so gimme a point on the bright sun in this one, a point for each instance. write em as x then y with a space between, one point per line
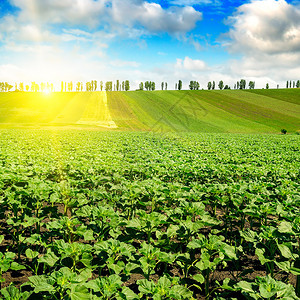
47 91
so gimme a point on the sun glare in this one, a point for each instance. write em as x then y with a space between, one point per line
47 91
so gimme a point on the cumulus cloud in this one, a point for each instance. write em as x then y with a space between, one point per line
267 35
113 13
153 17
191 64
267 26
79 12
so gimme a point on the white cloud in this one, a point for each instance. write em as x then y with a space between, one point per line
267 34
191 64
266 26
113 13
79 12
153 17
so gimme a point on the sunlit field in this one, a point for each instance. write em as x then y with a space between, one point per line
236 111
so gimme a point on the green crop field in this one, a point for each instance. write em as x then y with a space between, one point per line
140 215
236 111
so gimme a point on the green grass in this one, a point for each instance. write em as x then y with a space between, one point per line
236 111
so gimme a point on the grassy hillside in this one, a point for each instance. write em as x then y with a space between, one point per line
212 111
245 111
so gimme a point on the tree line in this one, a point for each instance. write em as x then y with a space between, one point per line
94 85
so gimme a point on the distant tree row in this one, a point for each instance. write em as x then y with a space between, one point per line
5 87
94 85
290 84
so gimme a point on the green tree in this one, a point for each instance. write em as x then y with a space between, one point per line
298 84
267 86
194 85
21 87
221 84
166 85
101 85
118 85
141 86
213 85
209 85
127 85
152 86
162 86
179 85
242 84
251 85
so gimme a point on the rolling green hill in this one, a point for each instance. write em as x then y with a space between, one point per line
237 111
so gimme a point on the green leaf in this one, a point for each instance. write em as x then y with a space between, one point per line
16 267
127 294
249 235
180 292
244 286
229 251
268 288
286 227
285 251
283 265
164 282
31 254
88 235
49 258
145 286
79 292
42 283
260 253
199 278
87 259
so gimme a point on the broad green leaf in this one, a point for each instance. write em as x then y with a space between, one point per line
31 254
49 258
180 292
42 283
285 251
199 278
286 227
79 292
244 286
145 286
16 267
229 251
260 254
127 294
88 235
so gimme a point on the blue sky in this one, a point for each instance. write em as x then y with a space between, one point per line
167 40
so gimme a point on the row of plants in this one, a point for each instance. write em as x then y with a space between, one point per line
94 215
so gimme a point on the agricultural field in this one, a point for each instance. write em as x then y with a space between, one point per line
225 111
90 214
